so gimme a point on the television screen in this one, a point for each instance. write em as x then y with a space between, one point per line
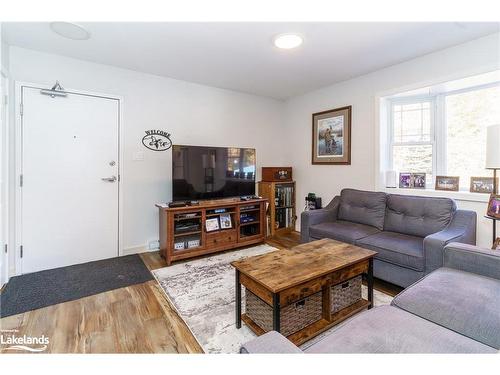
201 172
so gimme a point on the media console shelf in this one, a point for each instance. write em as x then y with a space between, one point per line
183 230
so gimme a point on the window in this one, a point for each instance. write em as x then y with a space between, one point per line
467 116
443 133
413 136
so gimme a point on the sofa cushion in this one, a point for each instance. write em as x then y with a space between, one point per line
340 230
386 329
364 207
417 216
396 248
461 301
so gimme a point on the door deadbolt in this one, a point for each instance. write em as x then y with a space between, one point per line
112 163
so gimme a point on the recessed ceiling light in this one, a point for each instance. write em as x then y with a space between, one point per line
70 30
288 41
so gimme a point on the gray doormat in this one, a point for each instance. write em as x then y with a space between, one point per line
41 289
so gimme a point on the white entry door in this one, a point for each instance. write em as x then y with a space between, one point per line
69 193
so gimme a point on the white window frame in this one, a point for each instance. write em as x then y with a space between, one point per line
432 142
438 127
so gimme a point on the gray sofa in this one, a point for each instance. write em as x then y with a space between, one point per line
408 232
455 309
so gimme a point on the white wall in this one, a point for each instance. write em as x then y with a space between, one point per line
193 114
281 132
326 181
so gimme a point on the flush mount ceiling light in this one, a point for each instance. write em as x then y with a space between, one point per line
288 41
70 30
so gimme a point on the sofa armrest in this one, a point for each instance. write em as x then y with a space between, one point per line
312 217
473 259
271 343
462 228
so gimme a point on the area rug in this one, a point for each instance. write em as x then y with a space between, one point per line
202 291
41 289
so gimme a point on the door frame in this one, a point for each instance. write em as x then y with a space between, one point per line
19 162
5 171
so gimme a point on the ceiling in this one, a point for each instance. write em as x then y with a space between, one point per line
242 57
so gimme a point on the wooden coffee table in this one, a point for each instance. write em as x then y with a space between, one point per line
283 277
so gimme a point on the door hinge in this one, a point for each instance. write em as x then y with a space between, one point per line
6 247
21 108
21 180
21 250
5 100
118 178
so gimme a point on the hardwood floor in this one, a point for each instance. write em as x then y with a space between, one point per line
135 319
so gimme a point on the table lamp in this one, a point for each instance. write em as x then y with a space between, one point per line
493 152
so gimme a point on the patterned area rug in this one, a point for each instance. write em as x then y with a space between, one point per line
202 291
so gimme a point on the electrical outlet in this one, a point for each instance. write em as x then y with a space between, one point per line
154 245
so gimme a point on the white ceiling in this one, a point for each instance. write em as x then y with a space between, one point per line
241 56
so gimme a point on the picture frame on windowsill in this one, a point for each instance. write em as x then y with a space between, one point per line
447 183
412 180
482 185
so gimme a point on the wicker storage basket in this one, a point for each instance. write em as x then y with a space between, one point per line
345 294
293 317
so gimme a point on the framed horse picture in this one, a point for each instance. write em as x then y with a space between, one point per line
331 132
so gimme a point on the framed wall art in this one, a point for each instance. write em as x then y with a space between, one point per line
331 136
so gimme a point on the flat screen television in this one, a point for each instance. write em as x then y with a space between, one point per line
203 172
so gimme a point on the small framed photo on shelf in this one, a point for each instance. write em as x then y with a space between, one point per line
481 185
212 224
412 180
418 180
447 183
225 221
405 180
494 206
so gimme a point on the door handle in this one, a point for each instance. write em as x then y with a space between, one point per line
109 179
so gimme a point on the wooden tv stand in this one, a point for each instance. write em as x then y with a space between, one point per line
183 232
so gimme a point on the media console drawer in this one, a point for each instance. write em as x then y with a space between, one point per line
221 238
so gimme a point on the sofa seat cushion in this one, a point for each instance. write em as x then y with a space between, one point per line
461 301
387 329
340 230
363 207
396 248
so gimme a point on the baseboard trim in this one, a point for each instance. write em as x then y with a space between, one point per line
137 250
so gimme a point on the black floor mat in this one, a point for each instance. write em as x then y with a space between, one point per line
40 289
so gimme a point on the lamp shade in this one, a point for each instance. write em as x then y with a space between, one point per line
493 147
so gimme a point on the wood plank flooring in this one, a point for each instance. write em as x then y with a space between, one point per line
135 319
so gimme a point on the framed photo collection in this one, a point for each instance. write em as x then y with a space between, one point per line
412 180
